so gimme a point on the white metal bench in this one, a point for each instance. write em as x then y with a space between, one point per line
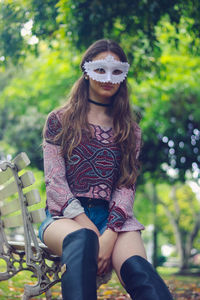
15 211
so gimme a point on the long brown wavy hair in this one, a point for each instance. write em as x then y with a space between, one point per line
75 111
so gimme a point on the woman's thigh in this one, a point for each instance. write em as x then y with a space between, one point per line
55 233
127 245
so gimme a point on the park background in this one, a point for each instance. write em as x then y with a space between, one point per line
41 44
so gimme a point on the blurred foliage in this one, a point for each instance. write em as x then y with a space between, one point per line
133 23
178 214
169 104
184 208
30 95
12 17
115 19
44 14
22 23
177 217
25 133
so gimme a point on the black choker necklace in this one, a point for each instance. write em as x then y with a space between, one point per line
99 103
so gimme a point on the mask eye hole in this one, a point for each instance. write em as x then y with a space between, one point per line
117 72
100 71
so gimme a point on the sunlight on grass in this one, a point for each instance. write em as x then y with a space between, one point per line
183 287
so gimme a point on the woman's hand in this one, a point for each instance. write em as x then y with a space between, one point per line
85 222
106 244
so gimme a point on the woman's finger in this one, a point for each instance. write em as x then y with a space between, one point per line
103 266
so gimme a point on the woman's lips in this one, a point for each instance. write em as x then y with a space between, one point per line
107 86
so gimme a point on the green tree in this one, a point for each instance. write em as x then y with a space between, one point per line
38 88
175 217
182 209
12 18
168 102
22 20
108 18
124 21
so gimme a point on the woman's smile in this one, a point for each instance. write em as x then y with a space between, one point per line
107 86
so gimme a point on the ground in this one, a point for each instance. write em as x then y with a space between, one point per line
182 287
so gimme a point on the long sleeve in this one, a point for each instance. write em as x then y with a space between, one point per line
58 192
121 207
121 204
60 199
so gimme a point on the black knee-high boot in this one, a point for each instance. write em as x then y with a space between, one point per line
141 281
79 262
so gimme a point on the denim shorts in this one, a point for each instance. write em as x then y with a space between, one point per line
97 211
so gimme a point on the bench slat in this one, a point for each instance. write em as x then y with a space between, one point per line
27 179
21 161
5 175
11 188
38 215
32 197
8 190
21 246
10 207
14 221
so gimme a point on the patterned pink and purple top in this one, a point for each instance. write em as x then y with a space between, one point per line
91 172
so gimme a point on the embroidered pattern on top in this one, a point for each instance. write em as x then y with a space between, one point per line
117 217
53 128
94 163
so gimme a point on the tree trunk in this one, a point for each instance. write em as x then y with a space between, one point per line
184 249
189 243
155 230
177 233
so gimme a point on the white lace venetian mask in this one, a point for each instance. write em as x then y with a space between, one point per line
107 70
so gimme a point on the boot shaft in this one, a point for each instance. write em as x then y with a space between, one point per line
80 254
142 281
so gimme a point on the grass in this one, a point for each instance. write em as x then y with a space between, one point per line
183 287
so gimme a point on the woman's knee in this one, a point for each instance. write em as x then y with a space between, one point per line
128 244
57 231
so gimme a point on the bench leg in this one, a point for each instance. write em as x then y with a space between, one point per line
48 294
25 297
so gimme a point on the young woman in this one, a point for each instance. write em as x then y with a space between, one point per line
91 149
